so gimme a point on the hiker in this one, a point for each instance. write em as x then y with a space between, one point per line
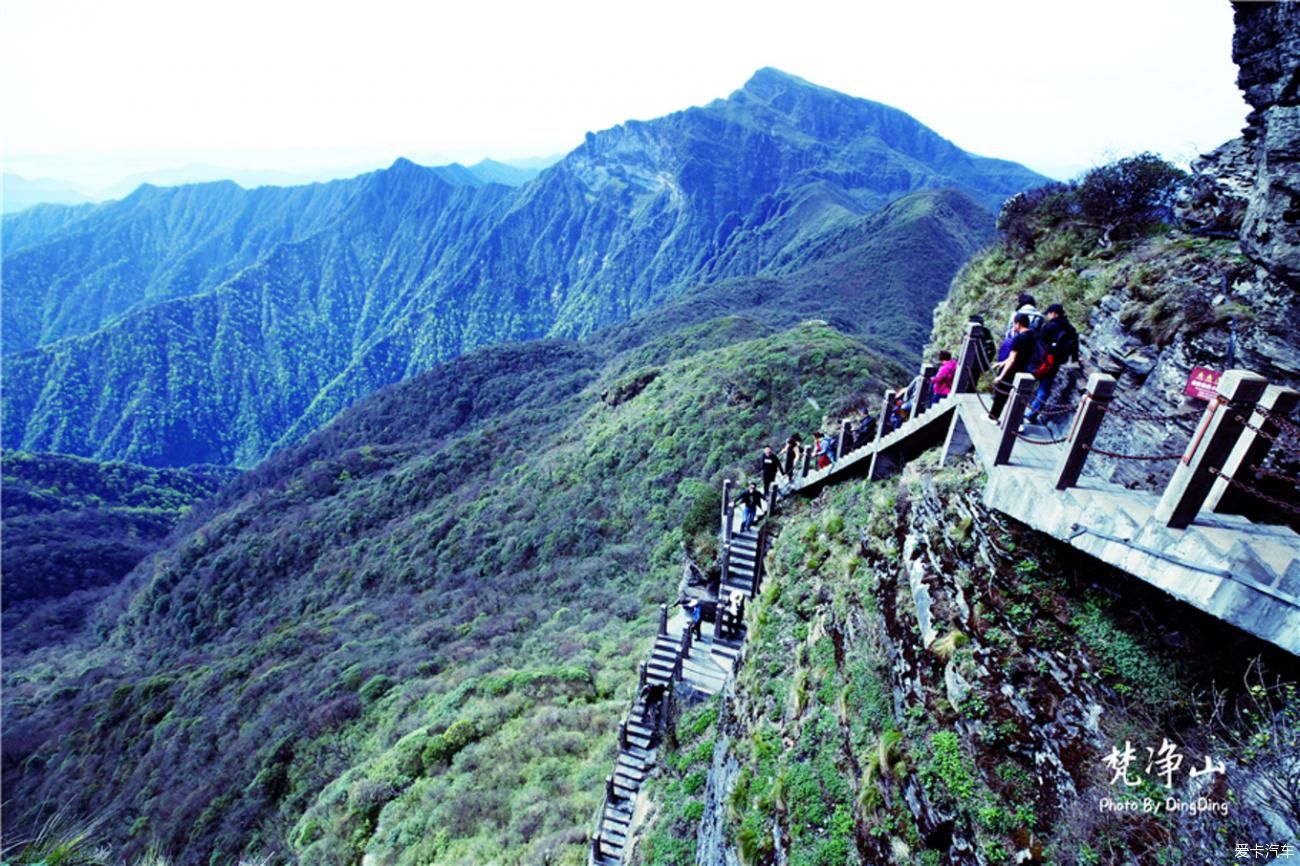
1020 354
866 431
792 451
822 460
733 614
770 466
1024 306
693 614
896 414
985 350
1060 346
827 450
941 382
749 501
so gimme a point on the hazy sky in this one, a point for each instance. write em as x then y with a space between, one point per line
95 90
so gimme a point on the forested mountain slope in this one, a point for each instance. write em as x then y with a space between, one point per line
207 323
410 635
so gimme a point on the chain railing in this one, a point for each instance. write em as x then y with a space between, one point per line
1092 447
1251 490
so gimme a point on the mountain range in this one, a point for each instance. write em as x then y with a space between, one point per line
211 324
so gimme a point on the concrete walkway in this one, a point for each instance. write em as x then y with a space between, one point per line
1244 573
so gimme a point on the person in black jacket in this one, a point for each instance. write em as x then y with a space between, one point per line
749 502
771 465
792 451
1060 343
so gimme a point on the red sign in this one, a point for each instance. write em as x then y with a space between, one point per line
1203 384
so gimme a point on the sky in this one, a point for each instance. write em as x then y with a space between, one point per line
93 92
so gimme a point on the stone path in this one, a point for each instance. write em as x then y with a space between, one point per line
1245 573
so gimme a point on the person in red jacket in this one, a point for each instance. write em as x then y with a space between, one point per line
941 382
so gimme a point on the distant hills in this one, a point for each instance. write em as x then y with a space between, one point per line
209 323
19 193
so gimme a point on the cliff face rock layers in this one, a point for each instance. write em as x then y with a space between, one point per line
1266 48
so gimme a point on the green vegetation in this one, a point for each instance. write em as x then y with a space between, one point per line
411 636
211 324
1105 234
679 788
846 717
74 527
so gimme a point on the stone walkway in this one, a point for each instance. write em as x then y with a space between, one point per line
1244 573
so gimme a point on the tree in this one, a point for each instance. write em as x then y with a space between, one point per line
1129 194
1028 214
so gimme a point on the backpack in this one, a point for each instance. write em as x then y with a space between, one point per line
1052 355
1040 358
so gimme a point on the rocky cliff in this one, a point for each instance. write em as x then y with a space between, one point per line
926 682
1266 48
1217 286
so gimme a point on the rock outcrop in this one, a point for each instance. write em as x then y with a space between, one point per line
1266 48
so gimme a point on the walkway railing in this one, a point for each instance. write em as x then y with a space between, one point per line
1228 450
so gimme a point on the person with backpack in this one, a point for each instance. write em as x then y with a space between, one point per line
1060 345
1022 355
1024 306
828 448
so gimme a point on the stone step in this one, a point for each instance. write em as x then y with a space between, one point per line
664 655
640 742
611 851
631 783
637 729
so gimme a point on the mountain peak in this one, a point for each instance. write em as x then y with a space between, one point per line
770 76
769 82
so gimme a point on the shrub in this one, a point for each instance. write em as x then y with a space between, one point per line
1129 194
375 688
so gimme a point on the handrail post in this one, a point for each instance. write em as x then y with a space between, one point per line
1012 415
595 847
1218 431
844 435
622 733
964 377
807 460
885 408
611 795
1101 387
663 619
757 579
771 501
726 511
1251 449
924 389
641 673
718 610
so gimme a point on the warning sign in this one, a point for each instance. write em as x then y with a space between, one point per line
1203 383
